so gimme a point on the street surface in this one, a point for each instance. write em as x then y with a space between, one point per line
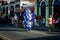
13 33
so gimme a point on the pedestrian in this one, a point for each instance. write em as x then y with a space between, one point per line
56 16
53 23
15 20
50 22
58 23
35 21
12 20
41 20
28 19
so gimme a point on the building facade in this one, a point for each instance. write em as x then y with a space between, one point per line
40 7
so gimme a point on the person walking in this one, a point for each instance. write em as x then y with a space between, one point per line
15 20
35 21
58 23
28 19
50 22
12 20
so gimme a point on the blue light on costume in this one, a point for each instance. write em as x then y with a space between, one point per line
28 19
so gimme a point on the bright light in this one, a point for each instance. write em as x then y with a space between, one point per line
8 1
26 3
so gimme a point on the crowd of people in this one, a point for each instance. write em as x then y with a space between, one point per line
54 22
28 19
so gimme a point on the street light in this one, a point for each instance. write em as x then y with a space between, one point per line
8 1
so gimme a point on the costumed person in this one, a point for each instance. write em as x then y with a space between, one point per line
28 19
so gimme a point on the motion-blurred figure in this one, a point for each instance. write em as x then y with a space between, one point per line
50 22
28 19
35 21
15 20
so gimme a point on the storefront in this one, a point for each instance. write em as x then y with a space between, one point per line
39 7
56 8
43 10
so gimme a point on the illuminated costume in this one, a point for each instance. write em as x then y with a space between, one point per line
28 19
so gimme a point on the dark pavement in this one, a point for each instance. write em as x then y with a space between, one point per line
46 38
11 32
22 34
1 39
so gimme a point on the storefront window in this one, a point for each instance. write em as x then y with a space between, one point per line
43 9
